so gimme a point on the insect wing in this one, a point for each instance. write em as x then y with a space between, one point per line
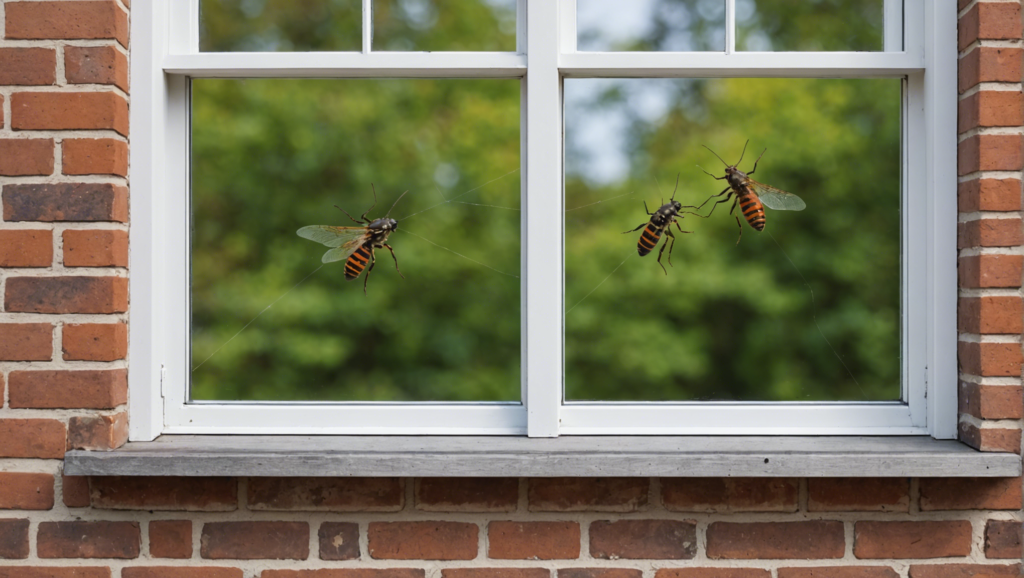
777 199
333 236
341 253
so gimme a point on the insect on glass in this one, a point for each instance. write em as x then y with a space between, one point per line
661 222
356 244
751 195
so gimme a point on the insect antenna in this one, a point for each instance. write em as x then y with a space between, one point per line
742 153
716 154
396 203
673 197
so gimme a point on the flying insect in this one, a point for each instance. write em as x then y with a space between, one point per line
751 196
356 245
661 222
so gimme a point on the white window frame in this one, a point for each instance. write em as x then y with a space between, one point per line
920 46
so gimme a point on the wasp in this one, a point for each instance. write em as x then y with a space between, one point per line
356 245
661 222
751 196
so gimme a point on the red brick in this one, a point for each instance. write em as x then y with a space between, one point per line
52 572
96 65
98 433
640 539
989 195
75 491
95 341
990 152
69 110
26 342
95 248
903 540
990 108
776 540
730 494
422 540
170 539
28 66
181 572
991 439
13 539
26 248
346 573
990 315
988 64
989 21
78 294
990 233
610 573
87 202
839 572
91 389
858 495
168 493
94 156
26 491
495 573
982 271
339 541
32 438
963 570
970 494
255 541
467 494
588 494
21 157
991 401
88 540
1003 540
990 359
67 21
326 494
533 540
712 573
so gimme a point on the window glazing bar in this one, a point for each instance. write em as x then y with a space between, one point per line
348 65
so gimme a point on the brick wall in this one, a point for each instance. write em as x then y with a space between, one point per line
63 342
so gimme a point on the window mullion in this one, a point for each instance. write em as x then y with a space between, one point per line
367 26
730 26
544 226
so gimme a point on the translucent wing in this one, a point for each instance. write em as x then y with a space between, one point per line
340 253
777 199
332 236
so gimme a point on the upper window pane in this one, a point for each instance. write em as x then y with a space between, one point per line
270 321
650 25
280 25
444 25
819 25
733 321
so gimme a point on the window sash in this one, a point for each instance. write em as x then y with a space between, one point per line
920 47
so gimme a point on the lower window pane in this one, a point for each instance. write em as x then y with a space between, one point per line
273 155
734 321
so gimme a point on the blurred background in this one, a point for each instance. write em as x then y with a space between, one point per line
729 322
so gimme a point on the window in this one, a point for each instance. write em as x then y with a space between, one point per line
257 116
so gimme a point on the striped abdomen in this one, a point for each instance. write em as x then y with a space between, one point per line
357 262
753 211
648 239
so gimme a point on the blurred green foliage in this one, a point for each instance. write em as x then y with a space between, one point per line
728 322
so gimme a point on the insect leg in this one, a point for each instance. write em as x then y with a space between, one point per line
642 225
737 200
755 162
711 175
727 189
349 216
680 228
373 261
663 245
725 200
396 260
668 232
646 210
740 225
373 205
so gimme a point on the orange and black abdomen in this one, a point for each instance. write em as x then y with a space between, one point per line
648 239
357 262
753 211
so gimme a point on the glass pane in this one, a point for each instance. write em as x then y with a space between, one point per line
650 25
273 155
444 25
733 321
821 25
280 25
